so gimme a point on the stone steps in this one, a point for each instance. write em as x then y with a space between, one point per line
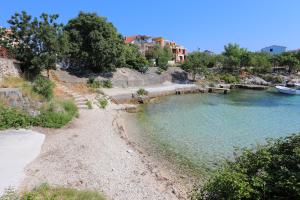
80 100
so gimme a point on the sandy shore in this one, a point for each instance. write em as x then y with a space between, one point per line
17 149
93 153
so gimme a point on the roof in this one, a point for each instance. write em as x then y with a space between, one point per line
272 46
130 39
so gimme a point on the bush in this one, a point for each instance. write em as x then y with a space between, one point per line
142 92
43 87
103 103
89 104
266 172
107 84
56 114
228 78
93 83
13 118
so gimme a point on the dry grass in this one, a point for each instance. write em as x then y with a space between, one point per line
12 82
45 192
18 82
81 88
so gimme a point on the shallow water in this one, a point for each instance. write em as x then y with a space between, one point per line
205 128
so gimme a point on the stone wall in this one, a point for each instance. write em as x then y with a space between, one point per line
9 67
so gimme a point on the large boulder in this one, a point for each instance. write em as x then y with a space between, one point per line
254 80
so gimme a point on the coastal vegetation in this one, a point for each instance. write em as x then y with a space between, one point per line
235 60
103 103
268 171
54 193
142 92
52 113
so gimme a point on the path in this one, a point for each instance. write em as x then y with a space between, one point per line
90 154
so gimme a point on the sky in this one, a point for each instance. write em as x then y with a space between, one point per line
195 24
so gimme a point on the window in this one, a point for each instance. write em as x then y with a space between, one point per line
271 50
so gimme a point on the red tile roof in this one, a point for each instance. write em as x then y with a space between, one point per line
130 39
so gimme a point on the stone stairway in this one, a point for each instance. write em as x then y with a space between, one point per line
80 100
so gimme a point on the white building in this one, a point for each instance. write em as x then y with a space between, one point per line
274 49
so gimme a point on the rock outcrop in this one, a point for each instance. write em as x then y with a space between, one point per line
255 81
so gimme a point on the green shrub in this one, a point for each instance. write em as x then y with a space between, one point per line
13 118
45 192
53 115
93 83
89 104
107 84
56 114
43 87
103 103
265 172
142 92
228 78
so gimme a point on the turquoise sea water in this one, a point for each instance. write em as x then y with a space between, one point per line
205 128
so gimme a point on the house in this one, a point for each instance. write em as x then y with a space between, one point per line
145 43
4 53
274 49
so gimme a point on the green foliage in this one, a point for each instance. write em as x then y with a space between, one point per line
103 103
13 118
43 87
93 83
229 78
291 61
51 193
161 56
196 63
266 172
56 114
233 54
40 42
94 43
107 84
89 104
142 92
134 59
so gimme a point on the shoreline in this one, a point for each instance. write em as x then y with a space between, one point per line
97 156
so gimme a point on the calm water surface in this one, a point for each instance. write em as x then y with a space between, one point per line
205 128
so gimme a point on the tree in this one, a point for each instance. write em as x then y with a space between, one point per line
37 43
291 61
261 63
94 43
196 63
134 59
269 171
233 54
160 55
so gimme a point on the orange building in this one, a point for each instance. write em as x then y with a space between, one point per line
146 42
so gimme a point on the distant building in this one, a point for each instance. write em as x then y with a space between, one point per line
274 49
4 53
145 43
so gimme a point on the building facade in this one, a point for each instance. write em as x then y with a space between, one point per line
145 43
274 49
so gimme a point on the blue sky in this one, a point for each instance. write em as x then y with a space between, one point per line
204 24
